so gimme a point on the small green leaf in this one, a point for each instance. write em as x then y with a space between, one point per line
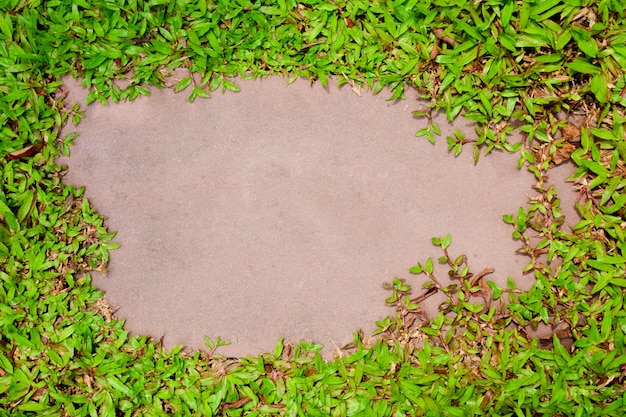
445 242
429 266
496 291
430 331
599 87
183 84
198 92
9 217
27 205
510 283
586 43
583 66
229 85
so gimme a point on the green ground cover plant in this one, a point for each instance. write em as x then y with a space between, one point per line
555 69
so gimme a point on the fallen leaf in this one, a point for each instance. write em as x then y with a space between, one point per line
235 404
481 274
26 152
570 132
563 153
486 292
87 380
439 34
435 51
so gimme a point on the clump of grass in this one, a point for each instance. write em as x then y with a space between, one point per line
555 68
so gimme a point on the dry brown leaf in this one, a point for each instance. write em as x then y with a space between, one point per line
235 404
570 132
486 292
563 153
26 152
439 35
87 380
435 51
480 275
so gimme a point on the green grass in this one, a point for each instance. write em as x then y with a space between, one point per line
502 63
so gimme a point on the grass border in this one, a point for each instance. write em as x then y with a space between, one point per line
501 63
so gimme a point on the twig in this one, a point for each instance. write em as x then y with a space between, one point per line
312 44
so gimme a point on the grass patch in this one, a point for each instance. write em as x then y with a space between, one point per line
555 68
